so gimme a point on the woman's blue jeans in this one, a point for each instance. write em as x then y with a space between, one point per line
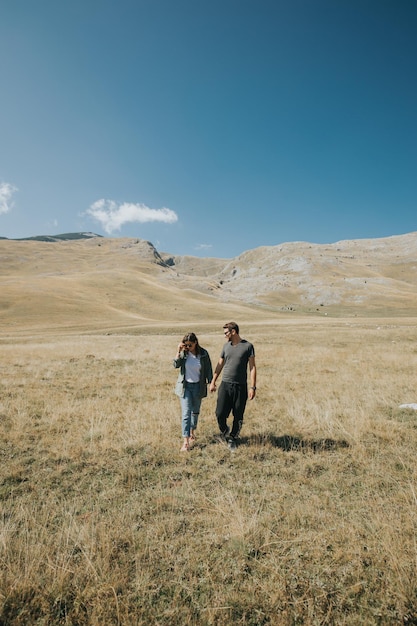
190 407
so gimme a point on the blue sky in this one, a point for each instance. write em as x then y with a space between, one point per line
209 128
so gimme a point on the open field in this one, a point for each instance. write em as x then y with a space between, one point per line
312 520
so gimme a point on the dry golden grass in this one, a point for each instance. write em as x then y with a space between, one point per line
312 521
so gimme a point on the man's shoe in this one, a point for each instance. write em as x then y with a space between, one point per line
231 443
223 437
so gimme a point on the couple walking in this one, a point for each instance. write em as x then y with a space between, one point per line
196 372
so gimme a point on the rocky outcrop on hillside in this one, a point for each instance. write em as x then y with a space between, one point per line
300 274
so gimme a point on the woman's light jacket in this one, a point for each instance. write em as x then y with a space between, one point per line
206 373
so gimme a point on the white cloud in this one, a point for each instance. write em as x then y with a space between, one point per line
112 216
6 193
203 246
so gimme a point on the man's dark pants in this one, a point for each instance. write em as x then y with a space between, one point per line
232 397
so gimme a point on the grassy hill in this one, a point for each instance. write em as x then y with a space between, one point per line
80 281
95 284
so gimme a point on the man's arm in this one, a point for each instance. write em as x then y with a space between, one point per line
216 374
252 372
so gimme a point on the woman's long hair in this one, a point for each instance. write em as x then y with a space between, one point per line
193 338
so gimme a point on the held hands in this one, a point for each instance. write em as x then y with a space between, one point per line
252 391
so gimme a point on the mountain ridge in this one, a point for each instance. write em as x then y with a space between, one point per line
348 272
52 238
98 282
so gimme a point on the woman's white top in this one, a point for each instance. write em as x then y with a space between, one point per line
192 368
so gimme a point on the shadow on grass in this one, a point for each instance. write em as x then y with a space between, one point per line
290 443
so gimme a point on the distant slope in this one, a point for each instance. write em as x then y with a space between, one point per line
95 283
349 277
52 238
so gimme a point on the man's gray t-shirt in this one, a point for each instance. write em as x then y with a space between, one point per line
236 359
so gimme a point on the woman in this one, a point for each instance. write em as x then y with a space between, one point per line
195 372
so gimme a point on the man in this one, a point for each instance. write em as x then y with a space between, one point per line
235 357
